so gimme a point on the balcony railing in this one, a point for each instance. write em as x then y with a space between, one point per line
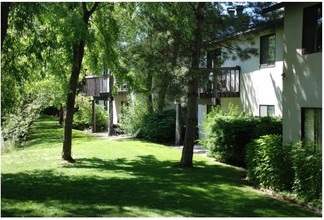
96 87
99 87
221 82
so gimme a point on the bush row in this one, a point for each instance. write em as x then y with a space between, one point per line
290 167
226 135
16 125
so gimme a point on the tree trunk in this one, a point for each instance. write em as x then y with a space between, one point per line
178 134
78 52
94 116
162 93
187 151
61 115
5 9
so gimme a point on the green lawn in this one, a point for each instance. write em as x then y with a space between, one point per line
125 178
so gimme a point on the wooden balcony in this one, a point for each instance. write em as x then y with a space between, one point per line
96 87
220 82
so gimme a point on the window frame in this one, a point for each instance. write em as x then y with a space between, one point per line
272 106
310 31
264 45
317 133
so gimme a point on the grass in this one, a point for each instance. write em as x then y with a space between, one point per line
125 178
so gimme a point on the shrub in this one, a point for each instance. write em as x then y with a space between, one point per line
82 118
15 126
226 135
269 163
307 164
133 115
160 126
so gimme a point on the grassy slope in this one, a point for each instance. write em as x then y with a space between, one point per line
123 178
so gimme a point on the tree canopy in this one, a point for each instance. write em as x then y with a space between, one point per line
155 47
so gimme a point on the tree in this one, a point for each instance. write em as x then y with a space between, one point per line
78 53
187 29
5 9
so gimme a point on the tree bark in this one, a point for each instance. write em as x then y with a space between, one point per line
5 9
187 151
178 133
78 52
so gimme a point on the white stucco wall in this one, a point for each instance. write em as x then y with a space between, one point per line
260 86
117 106
303 82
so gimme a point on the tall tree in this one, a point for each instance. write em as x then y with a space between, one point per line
78 53
187 151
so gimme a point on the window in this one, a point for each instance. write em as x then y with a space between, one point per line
266 110
268 50
312 125
312 29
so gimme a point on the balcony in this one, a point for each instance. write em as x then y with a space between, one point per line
221 82
96 87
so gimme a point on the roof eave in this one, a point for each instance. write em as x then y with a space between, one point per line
274 7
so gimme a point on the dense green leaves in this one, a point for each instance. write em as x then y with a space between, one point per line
269 163
160 126
293 168
307 165
227 134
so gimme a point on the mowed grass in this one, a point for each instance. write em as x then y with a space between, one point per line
123 178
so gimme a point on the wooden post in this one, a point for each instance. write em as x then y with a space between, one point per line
110 106
94 127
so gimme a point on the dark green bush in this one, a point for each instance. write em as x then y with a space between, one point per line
307 164
227 135
160 126
269 163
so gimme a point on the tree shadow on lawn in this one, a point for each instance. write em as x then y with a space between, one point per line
153 187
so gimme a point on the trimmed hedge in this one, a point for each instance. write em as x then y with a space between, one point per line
269 163
292 168
160 126
226 136
307 165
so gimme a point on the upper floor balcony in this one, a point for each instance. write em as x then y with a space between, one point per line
221 82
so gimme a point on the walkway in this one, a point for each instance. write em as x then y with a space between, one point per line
198 149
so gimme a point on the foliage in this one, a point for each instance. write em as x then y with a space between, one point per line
227 134
133 114
17 124
113 174
293 168
82 118
269 163
307 165
160 126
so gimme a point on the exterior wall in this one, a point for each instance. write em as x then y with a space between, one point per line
236 101
260 86
202 111
118 99
303 74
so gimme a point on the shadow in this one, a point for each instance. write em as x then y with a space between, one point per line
143 187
